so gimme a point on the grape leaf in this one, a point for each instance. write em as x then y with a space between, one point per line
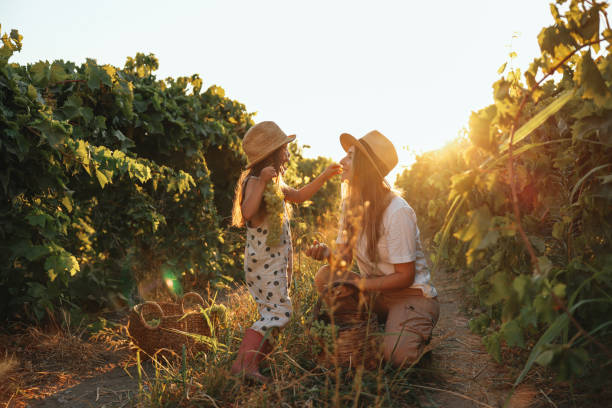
590 79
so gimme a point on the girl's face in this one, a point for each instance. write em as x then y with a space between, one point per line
347 164
283 157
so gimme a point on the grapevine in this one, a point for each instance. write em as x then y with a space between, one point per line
275 207
523 202
112 181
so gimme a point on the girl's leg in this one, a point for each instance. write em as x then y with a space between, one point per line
252 351
408 329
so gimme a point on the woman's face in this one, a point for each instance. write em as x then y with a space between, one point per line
347 164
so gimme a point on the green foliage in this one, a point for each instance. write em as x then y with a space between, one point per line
560 136
105 175
302 171
317 213
427 183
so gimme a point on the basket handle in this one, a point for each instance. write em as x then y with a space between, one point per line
194 295
155 306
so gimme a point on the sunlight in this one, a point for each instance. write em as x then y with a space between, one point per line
171 280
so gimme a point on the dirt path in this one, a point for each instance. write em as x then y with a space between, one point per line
462 373
111 389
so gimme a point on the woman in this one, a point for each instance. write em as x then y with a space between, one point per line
385 241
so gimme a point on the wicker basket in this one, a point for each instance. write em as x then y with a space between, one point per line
172 317
357 342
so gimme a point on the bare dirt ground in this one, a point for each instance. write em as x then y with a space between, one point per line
462 373
58 369
47 371
114 388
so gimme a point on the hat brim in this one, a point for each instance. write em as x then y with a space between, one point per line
289 139
347 141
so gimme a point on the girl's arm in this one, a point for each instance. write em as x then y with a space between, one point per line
253 192
306 192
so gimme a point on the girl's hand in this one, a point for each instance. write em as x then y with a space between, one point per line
332 170
318 251
267 173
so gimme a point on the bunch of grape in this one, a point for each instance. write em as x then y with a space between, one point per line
216 314
275 209
323 336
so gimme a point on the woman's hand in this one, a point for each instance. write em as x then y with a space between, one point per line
332 170
343 288
318 251
267 173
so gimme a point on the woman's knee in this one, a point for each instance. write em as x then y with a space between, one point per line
405 352
401 356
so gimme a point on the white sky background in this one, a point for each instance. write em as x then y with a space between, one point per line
413 70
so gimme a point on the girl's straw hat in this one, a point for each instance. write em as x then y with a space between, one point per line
376 147
262 139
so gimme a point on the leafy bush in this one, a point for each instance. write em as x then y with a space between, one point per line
528 209
105 175
317 216
302 171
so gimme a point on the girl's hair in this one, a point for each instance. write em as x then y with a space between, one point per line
370 193
273 159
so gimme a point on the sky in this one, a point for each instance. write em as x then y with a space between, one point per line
413 70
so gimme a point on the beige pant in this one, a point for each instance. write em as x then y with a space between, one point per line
409 319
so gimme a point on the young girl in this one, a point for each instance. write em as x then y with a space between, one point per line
267 262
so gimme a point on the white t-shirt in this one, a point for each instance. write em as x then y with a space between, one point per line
399 242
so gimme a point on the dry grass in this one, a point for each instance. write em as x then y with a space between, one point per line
298 380
36 363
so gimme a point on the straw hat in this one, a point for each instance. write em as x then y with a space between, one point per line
262 139
376 147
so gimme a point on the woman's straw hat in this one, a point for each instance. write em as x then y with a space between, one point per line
262 139
376 147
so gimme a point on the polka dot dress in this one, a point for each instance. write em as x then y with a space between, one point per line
265 270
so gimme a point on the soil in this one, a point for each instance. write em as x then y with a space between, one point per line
457 373
53 368
460 373
114 388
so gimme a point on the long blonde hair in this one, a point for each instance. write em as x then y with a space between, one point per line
273 160
370 195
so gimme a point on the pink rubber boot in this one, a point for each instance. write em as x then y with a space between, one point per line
252 350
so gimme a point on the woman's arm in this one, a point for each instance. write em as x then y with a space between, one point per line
253 192
306 192
402 278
